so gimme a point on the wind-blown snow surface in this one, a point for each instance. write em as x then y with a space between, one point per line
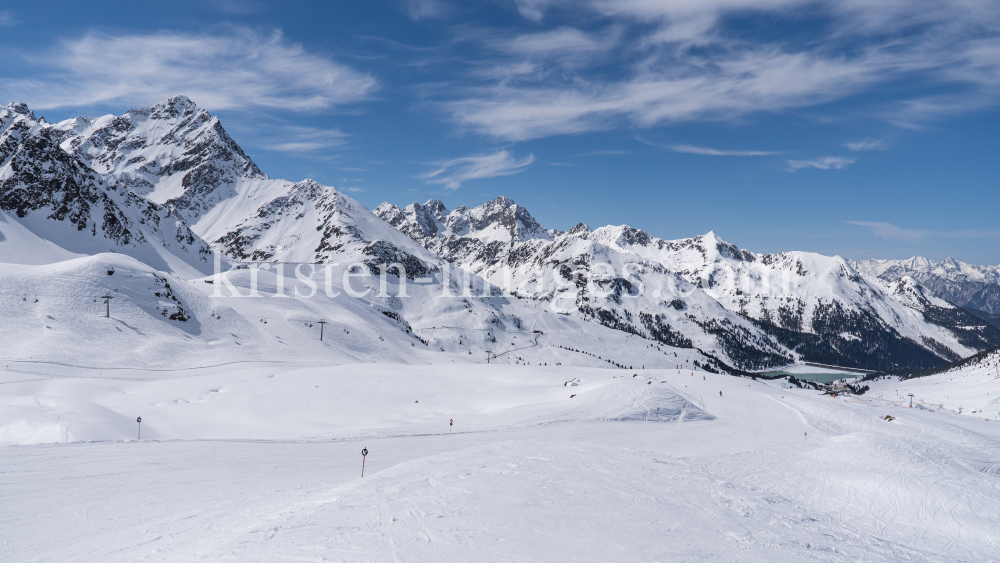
260 462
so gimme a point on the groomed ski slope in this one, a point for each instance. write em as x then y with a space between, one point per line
971 390
261 462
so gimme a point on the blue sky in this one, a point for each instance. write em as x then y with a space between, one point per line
865 128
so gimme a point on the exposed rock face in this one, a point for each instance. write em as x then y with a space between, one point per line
179 155
60 198
960 283
754 310
158 182
173 152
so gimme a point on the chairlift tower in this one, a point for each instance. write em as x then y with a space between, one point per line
107 297
322 324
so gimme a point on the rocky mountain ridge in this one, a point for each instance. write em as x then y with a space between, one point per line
173 152
180 156
58 200
966 285
764 306
131 180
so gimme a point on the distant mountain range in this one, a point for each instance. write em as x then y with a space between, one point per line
167 186
755 309
975 287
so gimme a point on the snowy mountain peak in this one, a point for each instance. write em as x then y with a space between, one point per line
63 207
501 215
281 221
909 292
956 281
748 309
437 207
173 108
17 108
173 152
415 220
620 237
499 220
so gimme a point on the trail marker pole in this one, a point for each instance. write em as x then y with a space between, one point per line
322 325
107 297
364 453
139 421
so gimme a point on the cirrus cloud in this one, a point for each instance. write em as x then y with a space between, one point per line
234 68
708 151
866 145
452 173
688 60
824 163
889 231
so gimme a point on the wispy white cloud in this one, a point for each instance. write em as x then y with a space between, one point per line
824 163
8 19
452 173
867 145
298 139
602 153
915 113
691 149
562 42
355 190
680 63
889 231
423 9
233 68
756 81
533 10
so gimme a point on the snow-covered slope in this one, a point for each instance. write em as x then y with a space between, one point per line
179 155
501 221
263 462
132 180
308 222
55 313
503 244
173 152
977 287
968 387
53 206
752 309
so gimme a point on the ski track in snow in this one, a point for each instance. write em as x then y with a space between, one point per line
261 463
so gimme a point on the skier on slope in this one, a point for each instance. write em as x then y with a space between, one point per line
720 393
